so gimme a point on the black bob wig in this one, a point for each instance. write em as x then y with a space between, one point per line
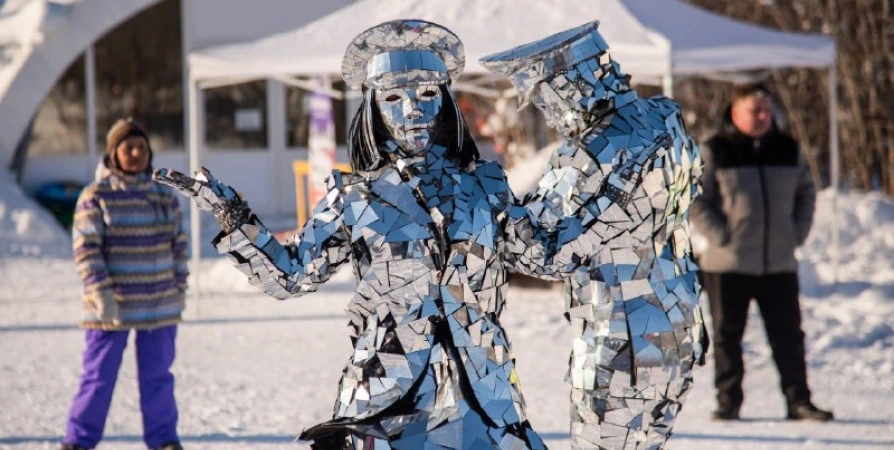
368 134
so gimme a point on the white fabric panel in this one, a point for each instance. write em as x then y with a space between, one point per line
706 42
638 31
484 27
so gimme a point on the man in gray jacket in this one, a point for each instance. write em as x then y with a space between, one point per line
756 208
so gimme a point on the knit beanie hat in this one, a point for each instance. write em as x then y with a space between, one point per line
121 130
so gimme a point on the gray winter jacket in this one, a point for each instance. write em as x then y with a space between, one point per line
757 205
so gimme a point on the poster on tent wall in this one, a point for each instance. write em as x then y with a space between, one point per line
320 141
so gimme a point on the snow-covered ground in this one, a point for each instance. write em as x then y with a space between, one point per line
252 372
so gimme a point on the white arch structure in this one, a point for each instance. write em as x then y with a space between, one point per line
39 61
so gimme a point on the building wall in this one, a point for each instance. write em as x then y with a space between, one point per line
213 22
217 22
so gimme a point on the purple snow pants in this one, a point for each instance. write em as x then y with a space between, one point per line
102 359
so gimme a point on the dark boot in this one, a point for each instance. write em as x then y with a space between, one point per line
170 446
72 447
726 412
808 411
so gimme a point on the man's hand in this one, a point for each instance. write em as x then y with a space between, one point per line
209 194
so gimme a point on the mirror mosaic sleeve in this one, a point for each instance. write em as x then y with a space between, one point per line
300 265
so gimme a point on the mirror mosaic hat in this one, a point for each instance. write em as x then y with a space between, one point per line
529 64
402 52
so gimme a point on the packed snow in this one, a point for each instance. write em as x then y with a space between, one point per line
252 372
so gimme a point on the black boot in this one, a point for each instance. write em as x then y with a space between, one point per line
170 446
726 412
808 411
72 447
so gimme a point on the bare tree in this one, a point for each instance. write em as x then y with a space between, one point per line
865 36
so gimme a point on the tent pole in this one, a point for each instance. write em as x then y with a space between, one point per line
667 81
667 85
90 81
195 215
276 140
834 163
191 100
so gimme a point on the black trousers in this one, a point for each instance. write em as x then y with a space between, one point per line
729 295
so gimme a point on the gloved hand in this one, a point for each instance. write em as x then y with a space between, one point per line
106 307
627 173
209 194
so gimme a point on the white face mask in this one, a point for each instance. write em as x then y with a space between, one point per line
409 114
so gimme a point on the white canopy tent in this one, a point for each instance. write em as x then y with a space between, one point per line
653 40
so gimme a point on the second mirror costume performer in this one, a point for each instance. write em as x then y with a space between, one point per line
633 302
430 231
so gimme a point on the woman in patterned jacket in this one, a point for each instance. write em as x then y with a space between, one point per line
130 251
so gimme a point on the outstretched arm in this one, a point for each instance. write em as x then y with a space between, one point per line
298 267
580 203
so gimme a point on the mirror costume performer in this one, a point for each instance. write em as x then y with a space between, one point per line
633 302
430 231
